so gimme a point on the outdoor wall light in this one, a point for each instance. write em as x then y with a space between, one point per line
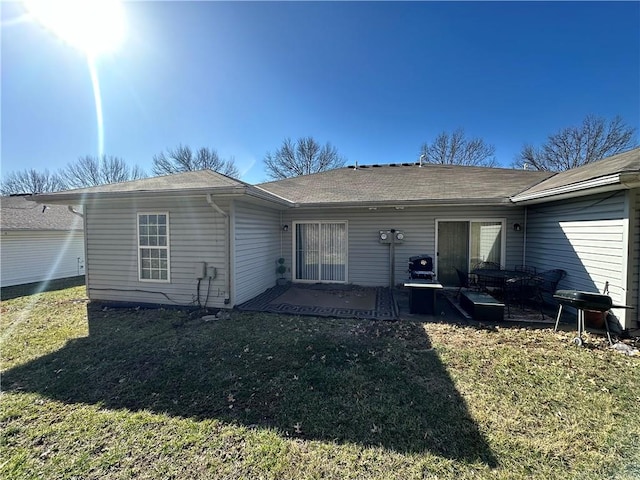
517 227
285 228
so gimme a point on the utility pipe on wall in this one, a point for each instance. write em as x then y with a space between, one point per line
227 240
392 259
524 242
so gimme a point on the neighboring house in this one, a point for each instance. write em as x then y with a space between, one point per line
147 240
38 242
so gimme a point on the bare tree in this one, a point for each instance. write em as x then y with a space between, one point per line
182 159
455 149
571 147
303 157
31 182
90 171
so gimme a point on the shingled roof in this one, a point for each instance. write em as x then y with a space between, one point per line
200 179
608 171
195 182
20 214
406 184
385 185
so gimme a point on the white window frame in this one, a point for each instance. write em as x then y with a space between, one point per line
346 253
156 247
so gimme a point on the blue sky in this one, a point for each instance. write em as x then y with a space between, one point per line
375 79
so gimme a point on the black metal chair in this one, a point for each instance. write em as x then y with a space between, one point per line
550 280
487 283
524 290
466 280
525 269
487 266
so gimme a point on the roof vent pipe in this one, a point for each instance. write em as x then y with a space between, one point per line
420 161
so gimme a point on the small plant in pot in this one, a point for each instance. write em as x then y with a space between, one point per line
281 270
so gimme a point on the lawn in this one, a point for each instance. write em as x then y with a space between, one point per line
91 393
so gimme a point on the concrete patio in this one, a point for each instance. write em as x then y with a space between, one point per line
377 303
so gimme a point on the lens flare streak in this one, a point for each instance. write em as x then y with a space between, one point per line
95 83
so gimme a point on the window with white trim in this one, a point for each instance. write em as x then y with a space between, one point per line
153 247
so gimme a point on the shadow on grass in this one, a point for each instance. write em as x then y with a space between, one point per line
350 381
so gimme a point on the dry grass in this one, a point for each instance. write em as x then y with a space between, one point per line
91 393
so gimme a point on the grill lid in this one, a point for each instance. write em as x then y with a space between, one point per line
420 262
584 300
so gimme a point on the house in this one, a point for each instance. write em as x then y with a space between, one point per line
200 238
38 242
587 221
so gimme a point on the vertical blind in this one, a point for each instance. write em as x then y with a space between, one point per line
321 251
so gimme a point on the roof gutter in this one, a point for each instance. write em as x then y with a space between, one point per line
83 197
596 185
503 202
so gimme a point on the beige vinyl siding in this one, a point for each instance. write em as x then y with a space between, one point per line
587 237
369 260
197 234
257 234
35 256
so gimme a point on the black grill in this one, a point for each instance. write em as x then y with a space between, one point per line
421 266
584 300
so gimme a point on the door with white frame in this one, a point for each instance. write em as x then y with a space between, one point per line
461 244
320 253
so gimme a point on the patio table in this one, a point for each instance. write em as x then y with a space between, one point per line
494 278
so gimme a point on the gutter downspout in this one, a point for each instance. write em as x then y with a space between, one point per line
85 236
524 245
281 241
227 239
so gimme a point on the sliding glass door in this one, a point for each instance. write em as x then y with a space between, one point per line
321 251
486 242
453 251
462 244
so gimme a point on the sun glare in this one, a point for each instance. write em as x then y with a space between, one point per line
92 26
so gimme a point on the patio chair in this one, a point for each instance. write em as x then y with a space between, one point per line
550 280
526 269
487 266
524 290
466 280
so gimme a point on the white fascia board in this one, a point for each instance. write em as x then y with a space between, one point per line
588 187
408 204
80 198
